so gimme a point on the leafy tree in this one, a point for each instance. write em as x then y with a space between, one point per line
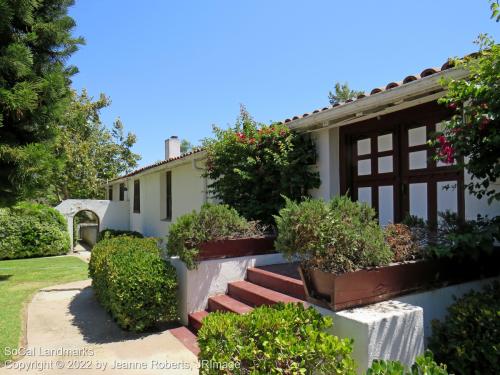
495 10
252 165
35 42
84 155
186 146
472 135
341 93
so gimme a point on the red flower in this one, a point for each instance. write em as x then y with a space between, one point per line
452 106
441 139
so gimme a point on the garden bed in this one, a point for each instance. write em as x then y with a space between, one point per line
239 247
363 287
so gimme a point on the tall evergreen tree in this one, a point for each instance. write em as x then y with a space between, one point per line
341 93
35 42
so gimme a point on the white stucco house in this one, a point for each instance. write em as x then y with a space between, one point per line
373 147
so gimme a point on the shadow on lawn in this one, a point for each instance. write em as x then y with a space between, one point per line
97 326
5 277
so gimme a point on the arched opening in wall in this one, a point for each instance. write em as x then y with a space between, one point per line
85 230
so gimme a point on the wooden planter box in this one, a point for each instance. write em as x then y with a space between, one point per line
363 287
236 248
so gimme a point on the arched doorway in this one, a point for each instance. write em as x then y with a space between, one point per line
86 225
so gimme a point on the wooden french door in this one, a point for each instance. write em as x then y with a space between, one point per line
387 163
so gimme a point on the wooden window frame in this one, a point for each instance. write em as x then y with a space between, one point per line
428 114
122 192
137 197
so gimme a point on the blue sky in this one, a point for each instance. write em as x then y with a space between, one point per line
177 67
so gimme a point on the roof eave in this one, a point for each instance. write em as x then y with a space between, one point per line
427 85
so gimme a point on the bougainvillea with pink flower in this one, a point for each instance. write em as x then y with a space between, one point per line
251 166
472 136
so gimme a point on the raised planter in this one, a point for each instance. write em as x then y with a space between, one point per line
363 287
236 248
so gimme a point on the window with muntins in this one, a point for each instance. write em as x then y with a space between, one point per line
137 196
388 164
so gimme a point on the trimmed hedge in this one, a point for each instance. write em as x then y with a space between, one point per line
110 233
279 339
133 282
468 340
32 230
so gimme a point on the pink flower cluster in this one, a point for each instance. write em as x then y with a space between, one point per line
446 150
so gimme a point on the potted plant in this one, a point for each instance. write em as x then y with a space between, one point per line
347 259
216 231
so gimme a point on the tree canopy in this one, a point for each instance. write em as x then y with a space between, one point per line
83 155
341 93
35 42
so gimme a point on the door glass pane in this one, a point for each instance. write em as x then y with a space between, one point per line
364 167
418 160
447 197
385 205
418 200
444 164
417 136
364 146
365 195
384 142
385 164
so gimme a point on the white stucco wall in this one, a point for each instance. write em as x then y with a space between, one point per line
112 214
188 193
327 148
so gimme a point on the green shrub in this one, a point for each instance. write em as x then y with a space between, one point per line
337 236
110 233
250 165
32 230
401 240
468 340
133 282
424 365
212 222
464 240
281 339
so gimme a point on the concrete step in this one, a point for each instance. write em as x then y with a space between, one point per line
195 319
280 283
256 295
188 338
224 302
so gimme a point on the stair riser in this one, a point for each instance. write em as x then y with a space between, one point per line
194 325
283 285
214 305
249 297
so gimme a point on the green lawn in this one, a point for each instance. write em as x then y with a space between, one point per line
19 281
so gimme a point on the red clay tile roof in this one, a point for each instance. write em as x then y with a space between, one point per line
414 77
157 164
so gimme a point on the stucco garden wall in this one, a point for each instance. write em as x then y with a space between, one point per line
111 214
